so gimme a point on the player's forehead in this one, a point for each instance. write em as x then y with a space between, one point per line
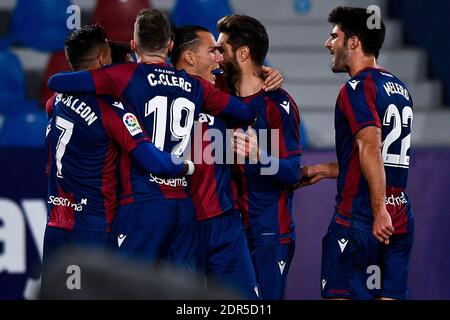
207 39
223 39
337 30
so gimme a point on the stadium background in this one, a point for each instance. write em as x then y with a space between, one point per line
31 39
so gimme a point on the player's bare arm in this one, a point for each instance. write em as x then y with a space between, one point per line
368 141
313 174
273 79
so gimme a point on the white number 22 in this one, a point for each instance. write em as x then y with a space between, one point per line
392 115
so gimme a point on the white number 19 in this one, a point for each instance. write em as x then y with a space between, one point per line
179 129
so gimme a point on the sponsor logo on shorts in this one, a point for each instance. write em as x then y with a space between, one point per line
342 244
281 265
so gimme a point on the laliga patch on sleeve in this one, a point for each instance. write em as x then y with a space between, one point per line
132 124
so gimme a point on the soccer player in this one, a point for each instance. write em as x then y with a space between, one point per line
222 250
157 216
120 52
84 137
264 200
373 221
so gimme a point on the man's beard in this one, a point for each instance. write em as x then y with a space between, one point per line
340 61
232 73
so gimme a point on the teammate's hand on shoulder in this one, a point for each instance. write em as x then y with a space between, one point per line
382 227
273 79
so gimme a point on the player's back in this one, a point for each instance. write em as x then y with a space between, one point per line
388 98
166 101
82 166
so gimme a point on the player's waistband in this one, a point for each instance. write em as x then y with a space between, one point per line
269 238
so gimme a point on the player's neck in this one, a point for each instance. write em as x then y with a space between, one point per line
151 58
250 82
362 63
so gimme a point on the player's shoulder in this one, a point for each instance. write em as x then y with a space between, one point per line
278 95
282 100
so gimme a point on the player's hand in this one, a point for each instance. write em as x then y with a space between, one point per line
382 227
245 145
273 79
312 174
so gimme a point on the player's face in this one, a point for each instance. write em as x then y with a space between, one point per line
337 46
208 57
229 64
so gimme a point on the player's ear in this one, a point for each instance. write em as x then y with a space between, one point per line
243 53
353 42
133 45
189 57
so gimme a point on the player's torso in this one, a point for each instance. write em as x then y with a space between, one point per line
210 184
82 179
266 205
394 108
166 102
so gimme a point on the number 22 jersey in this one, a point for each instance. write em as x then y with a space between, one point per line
373 97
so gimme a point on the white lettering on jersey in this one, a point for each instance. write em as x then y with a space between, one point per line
169 80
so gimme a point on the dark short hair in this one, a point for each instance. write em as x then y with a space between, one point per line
119 51
353 22
246 31
81 43
152 29
185 38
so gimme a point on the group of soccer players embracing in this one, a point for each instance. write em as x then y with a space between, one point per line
124 172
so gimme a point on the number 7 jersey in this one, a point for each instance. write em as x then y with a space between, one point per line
373 97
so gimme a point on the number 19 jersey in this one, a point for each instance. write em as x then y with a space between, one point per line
373 97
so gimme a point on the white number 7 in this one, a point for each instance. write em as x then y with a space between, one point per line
67 129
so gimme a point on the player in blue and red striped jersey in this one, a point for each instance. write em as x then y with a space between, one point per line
373 220
166 101
85 137
262 188
222 252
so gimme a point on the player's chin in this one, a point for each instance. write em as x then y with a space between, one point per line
212 79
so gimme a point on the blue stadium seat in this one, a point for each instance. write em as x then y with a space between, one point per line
40 24
12 81
23 129
205 13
